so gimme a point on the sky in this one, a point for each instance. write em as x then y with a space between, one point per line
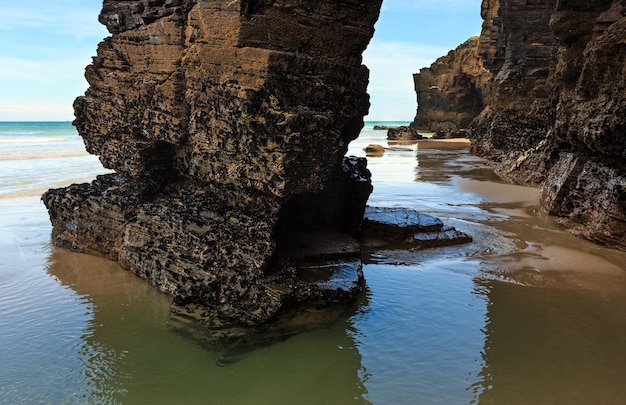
45 46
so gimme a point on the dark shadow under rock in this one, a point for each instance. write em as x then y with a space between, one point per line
316 277
452 134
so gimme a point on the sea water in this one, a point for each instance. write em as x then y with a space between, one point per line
36 156
525 314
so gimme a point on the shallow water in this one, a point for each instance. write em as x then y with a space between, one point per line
525 314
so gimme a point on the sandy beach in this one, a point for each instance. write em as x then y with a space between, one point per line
81 330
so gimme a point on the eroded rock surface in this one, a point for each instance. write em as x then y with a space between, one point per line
450 91
516 45
403 133
555 106
406 228
566 127
226 123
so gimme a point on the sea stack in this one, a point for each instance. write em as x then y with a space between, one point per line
227 125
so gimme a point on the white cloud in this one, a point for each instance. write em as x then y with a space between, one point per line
64 17
40 71
39 90
392 65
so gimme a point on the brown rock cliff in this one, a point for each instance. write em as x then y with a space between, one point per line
450 91
556 110
586 182
516 45
555 105
225 121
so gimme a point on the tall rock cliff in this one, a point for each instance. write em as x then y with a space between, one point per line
586 141
556 108
450 91
516 45
225 122
554 105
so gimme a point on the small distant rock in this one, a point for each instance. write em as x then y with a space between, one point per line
382 127
403 133
374 150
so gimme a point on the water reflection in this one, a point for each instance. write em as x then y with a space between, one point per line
548 314
421 334
132 355
524 314
553 346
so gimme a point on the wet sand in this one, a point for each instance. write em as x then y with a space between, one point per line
526 313
515 241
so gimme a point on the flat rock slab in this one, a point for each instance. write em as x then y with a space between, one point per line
405 227
331 282
397 224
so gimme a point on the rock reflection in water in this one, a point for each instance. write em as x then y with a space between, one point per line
523 314
132 354
551 308
547 346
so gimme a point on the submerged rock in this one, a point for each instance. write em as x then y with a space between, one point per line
374 150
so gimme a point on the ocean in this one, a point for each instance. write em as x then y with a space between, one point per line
525 314
36 156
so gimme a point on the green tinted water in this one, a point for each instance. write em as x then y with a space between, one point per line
525 314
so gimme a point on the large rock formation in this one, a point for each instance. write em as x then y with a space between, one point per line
516 45
556 107
586 142
450 91
227 123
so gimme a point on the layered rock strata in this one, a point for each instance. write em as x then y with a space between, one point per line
586 142
556 107
516 46
450 91
410 229
226 123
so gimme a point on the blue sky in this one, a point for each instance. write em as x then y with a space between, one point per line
45 46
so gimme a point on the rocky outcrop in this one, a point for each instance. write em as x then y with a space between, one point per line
556 107
226 123
403 133
450 91
586 142
410 229
516 45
